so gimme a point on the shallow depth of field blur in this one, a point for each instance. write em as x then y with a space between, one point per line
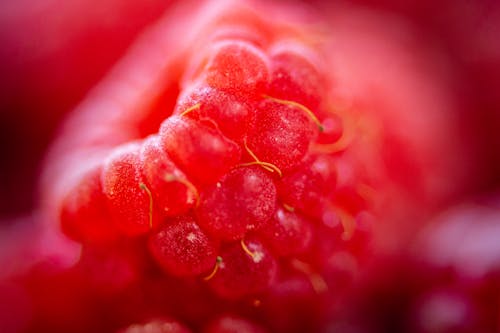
430 70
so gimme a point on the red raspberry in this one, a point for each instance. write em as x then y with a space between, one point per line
281 133
203 152
128 198
182 248
246 268
173 193
239 201
237 67
232 115
242 200
284 228
310 185
294 75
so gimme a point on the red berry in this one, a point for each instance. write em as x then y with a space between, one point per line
294 75
202 152
238 204
237 67
280 133
242 200
310 185
287 233
333 129
232 115
172 193
129 201
182 248
246 268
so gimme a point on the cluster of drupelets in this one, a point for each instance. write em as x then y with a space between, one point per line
245 189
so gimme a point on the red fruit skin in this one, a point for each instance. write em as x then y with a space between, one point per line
171 195
202 152
231 114
280 134
128 203
310 186
238 68
333 128
182 248
242 200
84 212
294 76
241 274
287 233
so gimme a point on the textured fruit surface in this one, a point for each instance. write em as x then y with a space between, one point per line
230 193
182 248
242 200
203 152
281 133
173 194
247 268
237 67
128 201
231 114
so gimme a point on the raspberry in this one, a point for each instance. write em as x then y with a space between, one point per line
242 200
246 268
281 133
287 227
309 185
240 203
173 193
238 68
232 115
129 201
294 76
181 247
200 151
332 129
